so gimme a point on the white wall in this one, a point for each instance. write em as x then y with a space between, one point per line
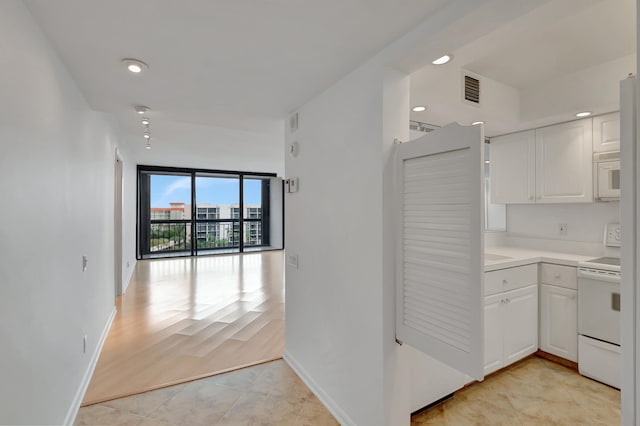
506 109
57 163
397 360
129 212
340 301
595 89
207 147
440 88
585 222
334 299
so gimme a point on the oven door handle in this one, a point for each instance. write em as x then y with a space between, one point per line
600 277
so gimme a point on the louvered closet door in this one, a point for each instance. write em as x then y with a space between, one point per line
439 286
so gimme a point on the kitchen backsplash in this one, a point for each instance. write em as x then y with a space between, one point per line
537 226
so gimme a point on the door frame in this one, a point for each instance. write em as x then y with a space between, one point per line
117 222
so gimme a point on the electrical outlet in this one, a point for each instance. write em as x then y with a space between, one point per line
85 261
562 228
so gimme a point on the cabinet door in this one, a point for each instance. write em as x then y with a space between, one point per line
513 168
564 163
520 323
493 341
559 322
439 202
606 132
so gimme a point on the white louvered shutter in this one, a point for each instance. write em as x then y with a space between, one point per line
439 268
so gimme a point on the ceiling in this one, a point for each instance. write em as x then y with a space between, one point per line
229 63
555 40
562 37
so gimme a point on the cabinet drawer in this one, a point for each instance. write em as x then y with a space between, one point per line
510 279
561 276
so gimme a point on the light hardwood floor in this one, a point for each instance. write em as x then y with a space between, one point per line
187 318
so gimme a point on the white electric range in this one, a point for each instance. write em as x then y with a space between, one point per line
599 313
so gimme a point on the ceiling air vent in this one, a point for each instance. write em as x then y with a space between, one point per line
471 89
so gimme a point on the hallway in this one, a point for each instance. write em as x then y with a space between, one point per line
188 318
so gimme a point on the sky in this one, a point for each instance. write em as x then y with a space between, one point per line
168 188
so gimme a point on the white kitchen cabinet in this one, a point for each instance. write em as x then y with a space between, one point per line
564 163
507 279
493 333
547 165
559 310
510 327
606 132
512 168
559 321
520 323
559 275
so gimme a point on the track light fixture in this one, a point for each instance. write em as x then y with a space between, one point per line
141 109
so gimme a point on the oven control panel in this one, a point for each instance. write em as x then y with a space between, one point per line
612 235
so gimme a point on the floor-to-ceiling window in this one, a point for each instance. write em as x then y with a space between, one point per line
186 212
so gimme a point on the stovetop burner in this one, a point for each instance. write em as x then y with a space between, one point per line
606 261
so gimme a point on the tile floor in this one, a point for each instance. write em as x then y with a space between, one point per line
532 392
267 394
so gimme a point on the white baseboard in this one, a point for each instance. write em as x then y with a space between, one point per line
75 406
328 402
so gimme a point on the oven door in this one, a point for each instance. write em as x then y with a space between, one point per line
608 180
599 306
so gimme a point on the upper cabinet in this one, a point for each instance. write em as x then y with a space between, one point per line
548 165
512 170
606 132
564 163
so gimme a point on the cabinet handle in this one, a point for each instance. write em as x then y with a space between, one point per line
556 276
504 282
530 197
573 297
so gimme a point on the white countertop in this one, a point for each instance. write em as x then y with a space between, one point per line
519 256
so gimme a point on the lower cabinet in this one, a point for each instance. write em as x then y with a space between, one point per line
510 327
559 321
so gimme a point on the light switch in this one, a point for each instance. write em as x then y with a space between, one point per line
292 185
292 260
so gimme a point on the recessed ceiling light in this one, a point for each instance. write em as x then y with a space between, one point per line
475 123
442 60
148 146
583 114
487 161
419 108
134 66
145 121
141 109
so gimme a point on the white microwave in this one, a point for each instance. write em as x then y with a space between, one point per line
606 174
